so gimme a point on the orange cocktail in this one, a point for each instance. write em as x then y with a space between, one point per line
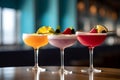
35 40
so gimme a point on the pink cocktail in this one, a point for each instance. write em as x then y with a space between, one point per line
91 40
62 41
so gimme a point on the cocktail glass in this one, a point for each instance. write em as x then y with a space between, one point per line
91 40
35 41
62 41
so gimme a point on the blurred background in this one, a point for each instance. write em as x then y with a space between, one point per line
26 16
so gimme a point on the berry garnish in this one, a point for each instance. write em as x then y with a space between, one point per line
93 30
67 31
57 29
72 30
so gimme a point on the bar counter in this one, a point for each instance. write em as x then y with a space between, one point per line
20 73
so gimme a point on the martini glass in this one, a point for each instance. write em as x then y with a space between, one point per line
62 41
91 40
35 41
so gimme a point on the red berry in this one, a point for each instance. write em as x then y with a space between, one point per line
67 31
93 30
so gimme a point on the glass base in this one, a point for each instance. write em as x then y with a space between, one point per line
91 70
36 69
67 72
62 71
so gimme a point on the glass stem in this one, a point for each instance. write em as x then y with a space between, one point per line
62 59
91 56
36 57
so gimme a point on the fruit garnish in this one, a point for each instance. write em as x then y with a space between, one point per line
93 30
57 30
67 31
72 30
45 30
99 29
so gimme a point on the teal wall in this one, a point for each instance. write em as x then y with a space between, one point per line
37 13
9 3
51 16
68 13
27 16
48 13
56 13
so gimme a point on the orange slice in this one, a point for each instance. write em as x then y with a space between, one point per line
45 30
101 29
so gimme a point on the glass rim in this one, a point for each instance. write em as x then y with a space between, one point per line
61 36
34 34
88 33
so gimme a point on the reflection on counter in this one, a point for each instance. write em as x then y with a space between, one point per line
20 73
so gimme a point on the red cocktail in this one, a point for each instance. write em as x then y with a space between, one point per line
91 40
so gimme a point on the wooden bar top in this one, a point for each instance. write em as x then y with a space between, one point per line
20 73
